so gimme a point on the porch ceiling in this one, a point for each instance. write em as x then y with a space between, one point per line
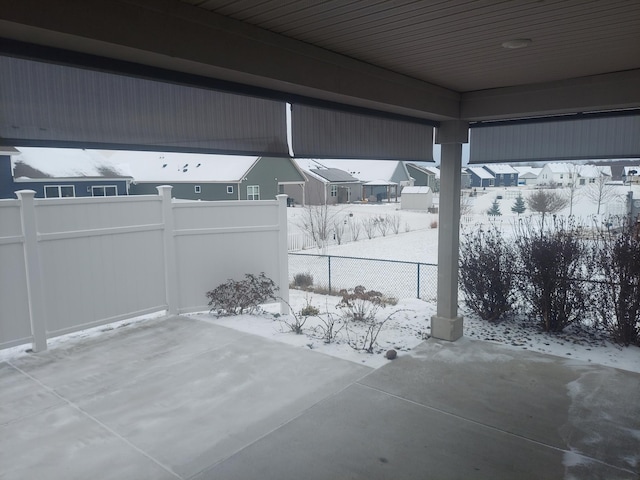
435 60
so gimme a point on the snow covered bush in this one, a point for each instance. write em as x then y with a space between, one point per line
244 296
555 267
616 299
486 272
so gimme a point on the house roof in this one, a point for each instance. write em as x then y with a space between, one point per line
334 175
364 170
431 170
183 167
41 163
416 190
500 169
524 170
480 172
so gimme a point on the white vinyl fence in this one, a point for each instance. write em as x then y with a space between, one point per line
73 263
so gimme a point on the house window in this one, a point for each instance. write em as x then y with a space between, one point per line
230 189
253 192
104 191
58 191
582 181
334 190
197 189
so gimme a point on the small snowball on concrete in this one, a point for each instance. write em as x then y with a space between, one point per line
391 354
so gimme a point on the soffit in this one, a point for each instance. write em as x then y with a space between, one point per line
457 44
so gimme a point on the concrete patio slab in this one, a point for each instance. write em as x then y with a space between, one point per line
461 410
178 395
187 399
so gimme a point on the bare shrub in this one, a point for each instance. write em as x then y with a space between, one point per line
369 226
394 223
486 276
466 205
361 304
244 296
555 264
329 328
616 299
356 228
365 339
382 224
303 280
317 221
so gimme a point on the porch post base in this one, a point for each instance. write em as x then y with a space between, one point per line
449 329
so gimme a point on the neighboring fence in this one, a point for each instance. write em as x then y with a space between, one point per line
73 263
392 278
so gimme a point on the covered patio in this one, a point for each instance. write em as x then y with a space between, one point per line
182 398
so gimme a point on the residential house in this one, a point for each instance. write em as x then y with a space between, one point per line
465 178
480 177
631 175
528 175
504 175
209 177
571 174
588 174
427 176
325 186
61 172
381 179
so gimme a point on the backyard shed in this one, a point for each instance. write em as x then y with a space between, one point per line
416 198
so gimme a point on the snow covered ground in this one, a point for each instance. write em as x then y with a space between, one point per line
410 325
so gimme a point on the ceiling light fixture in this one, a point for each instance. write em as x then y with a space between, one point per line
517 43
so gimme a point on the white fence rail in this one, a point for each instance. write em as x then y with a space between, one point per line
74 263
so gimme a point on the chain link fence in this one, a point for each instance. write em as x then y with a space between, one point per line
390 277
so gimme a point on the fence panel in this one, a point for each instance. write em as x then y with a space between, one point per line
392 278
101 260
73 263
14 312
216 241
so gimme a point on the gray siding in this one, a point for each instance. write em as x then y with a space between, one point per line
269 172
186 191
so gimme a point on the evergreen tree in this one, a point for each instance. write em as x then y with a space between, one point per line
495 209
519 206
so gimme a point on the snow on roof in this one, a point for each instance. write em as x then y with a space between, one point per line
364 170
594 171
39 163
626 170
183 167
334 175
380 181
416 190
501 169
522 170
561 167
432 170
480 172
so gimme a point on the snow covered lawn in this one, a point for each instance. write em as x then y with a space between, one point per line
411 325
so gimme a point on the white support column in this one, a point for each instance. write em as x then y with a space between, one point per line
447 324
35 290
170 263
283 255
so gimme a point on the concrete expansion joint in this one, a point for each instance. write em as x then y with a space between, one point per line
84 413
491 427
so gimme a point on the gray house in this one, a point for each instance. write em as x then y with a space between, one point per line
424 176
61 172
381 179
504 175
324 185
209 177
